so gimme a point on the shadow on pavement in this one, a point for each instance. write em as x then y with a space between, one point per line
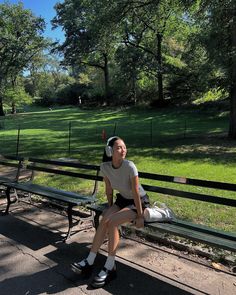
48 279
29 235
130 280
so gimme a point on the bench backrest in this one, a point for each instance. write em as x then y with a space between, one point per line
193 182
61 167
35 164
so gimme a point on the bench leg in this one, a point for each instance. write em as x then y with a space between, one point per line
9 196
70 221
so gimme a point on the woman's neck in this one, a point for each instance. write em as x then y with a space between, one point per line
117 163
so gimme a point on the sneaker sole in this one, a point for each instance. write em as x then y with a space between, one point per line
96 285
75 269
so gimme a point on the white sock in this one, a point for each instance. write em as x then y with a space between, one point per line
91 257
110 262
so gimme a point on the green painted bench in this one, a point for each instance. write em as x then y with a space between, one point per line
17 191
189 230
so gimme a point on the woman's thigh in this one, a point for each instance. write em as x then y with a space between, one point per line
122 216
109 212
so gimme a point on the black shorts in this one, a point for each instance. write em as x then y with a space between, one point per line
122 202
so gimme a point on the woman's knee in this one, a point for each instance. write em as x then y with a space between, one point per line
111 223
104 220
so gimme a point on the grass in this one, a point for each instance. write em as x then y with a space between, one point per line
190 143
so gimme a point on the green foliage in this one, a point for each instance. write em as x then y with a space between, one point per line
20 39
212 95
17 96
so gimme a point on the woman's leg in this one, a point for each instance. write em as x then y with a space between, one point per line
108 273
118 218
84 266
102 228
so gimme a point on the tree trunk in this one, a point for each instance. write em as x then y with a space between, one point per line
13 108
232 120
106 79
159 73
1 108
133 88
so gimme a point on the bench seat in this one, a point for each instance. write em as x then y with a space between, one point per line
75 199
209 237
181 228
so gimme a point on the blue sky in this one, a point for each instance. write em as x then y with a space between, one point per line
43 8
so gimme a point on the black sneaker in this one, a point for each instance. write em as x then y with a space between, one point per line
85 270
100 281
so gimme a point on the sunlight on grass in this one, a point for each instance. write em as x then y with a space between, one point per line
173 142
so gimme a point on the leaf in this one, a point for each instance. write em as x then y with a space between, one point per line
216 266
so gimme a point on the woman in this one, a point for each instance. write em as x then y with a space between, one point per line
120 175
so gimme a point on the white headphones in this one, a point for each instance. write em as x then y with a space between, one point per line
108 148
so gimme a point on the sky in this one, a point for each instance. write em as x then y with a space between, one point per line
43 8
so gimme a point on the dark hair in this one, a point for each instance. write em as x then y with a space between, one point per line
111 142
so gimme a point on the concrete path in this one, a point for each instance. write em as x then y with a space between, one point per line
34 261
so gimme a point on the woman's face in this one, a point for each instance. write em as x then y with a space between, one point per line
119 150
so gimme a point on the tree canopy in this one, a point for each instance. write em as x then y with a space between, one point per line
20 40
125 52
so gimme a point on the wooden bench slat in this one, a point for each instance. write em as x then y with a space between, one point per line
65 164
8 164
190 195
63 172
193 235
205 229
189 181
60 195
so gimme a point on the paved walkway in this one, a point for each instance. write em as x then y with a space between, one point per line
34 261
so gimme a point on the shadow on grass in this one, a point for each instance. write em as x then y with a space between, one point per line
169 134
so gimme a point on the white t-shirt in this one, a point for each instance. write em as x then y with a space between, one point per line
120 178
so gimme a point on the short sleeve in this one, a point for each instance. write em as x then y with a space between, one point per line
133 169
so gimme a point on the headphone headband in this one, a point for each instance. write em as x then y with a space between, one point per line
110 139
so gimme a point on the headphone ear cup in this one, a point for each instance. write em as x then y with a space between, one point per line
109 151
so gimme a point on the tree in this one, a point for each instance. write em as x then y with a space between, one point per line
146 26
16 96
20 41
218 34
89 42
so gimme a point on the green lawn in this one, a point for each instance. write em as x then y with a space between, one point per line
176 142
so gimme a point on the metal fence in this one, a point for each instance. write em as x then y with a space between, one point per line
30 136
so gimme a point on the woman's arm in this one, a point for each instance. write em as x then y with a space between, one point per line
109 191
137 201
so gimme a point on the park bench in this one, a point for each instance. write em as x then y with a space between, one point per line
60 197
182 228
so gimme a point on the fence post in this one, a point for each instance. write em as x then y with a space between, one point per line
151 135
18 141
69 138
114 130
185 128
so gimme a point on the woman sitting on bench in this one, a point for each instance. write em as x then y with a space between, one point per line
120 175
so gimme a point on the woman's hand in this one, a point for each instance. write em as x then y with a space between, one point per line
139 222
